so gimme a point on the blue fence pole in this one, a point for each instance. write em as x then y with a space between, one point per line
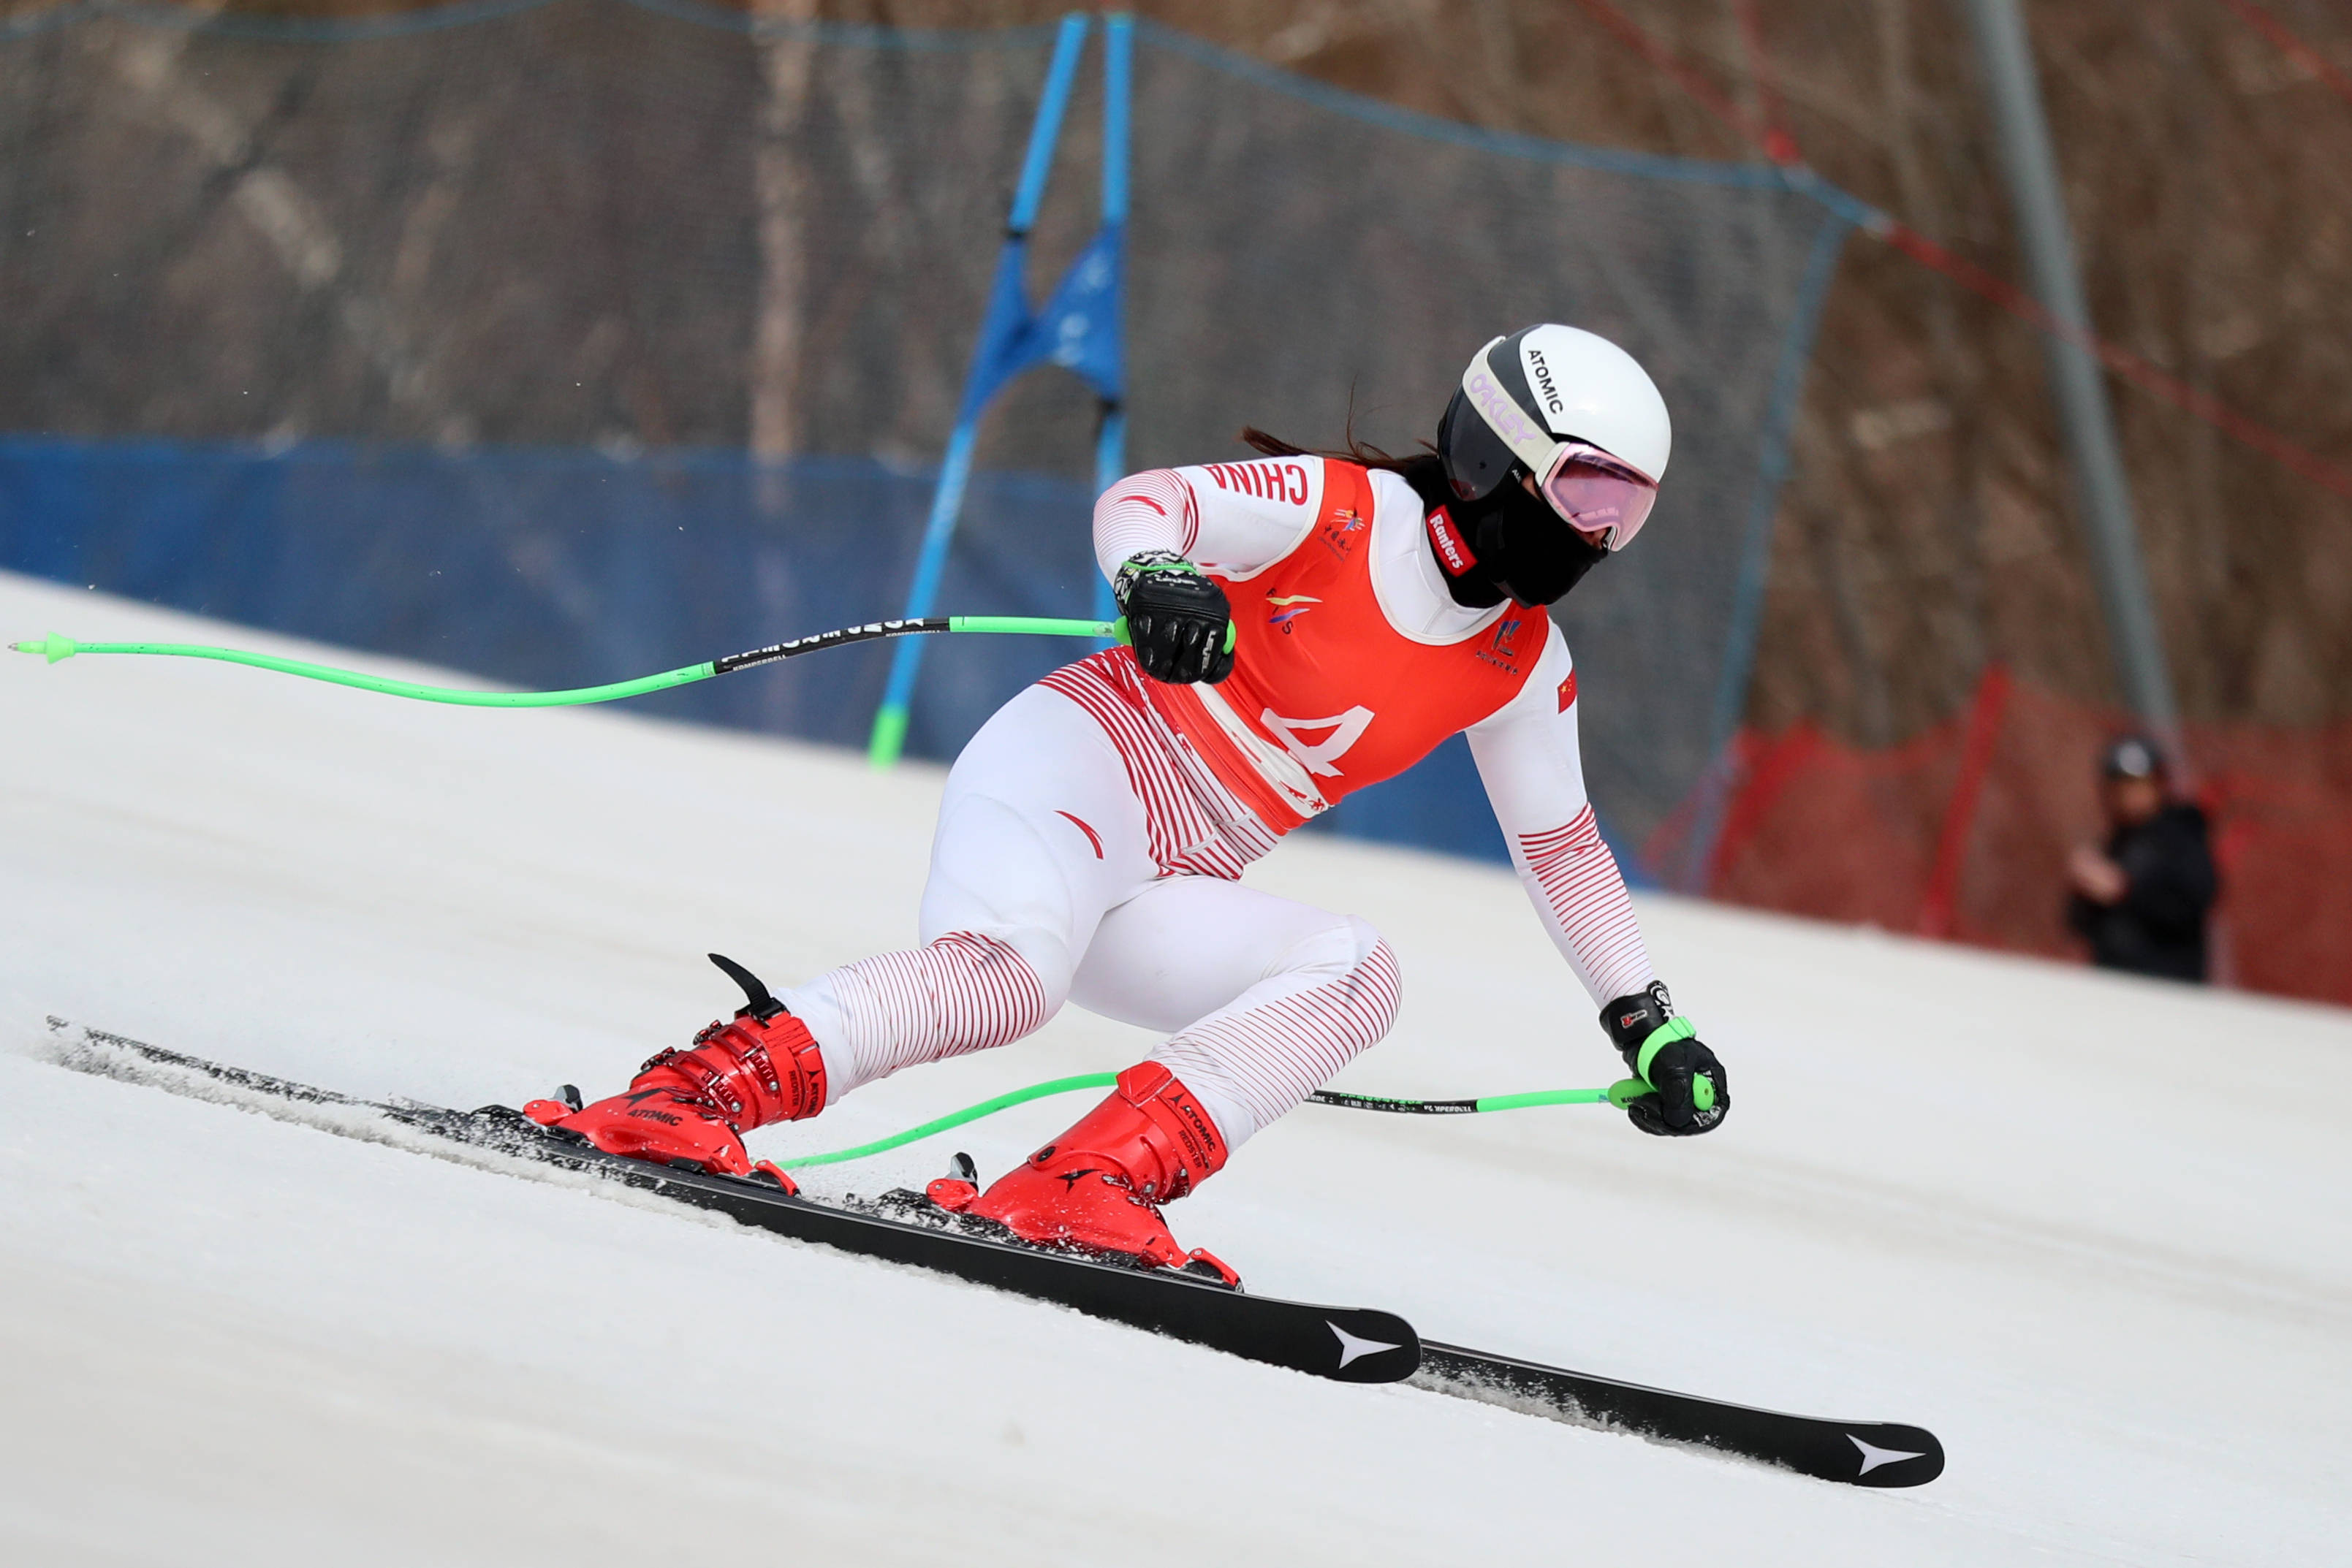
1756 554
1119 83
1048 128
889 737
1118 76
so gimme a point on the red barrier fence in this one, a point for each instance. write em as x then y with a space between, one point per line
1963 830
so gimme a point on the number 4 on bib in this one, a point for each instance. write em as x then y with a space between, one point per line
1321 758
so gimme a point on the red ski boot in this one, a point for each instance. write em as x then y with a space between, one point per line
1098 1187
691 1107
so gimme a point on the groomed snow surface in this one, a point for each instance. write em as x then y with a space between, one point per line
2096 1232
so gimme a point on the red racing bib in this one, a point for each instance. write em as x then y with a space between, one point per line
1326 695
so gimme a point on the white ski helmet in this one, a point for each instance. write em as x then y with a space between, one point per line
1571 409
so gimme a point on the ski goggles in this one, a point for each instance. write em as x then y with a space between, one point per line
1603 500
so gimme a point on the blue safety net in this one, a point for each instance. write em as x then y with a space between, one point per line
567 340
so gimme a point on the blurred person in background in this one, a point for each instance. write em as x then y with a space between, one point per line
2141 900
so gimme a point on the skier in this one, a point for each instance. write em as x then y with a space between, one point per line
1300 625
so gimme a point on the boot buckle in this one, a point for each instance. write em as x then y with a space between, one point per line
952 1193
1207 1265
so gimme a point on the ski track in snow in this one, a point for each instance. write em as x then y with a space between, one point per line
2096 1232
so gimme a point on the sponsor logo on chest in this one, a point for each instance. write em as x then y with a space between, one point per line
1340 531
1283 608
1501 649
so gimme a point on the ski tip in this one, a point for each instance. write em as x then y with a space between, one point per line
1893 1456
52 646
1371 1346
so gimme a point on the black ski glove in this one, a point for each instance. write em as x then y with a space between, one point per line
1177 619
1686 1091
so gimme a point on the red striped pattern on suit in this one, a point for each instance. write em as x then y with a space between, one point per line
1579 880
960 992
1270 1057
1154 510
1195 826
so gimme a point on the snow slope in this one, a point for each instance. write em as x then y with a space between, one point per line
2097 1233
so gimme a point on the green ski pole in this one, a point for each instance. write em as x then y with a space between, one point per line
53 648
1615 1095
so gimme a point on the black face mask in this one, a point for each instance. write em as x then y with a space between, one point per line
1531 552
1524 551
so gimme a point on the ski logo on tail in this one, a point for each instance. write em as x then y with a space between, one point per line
1871 1458
1353 1349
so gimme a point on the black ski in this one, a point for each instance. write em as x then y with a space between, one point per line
1349 1344
1860 1453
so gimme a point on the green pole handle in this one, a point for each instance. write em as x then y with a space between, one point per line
53 648
1544 1097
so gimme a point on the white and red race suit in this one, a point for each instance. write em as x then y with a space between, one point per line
1091 835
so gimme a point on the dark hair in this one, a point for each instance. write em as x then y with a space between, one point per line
1353 452
1424 470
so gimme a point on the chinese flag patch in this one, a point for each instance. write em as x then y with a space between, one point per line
1567 691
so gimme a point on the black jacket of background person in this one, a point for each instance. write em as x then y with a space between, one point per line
2157 927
